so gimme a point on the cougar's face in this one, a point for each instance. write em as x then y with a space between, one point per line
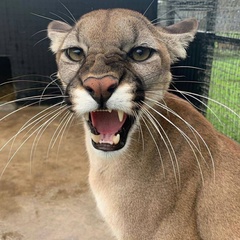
110 62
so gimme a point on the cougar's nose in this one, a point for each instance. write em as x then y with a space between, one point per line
101 89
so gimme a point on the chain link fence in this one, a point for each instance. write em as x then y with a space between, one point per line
215 55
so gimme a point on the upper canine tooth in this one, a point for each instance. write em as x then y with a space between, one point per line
120 115
110 110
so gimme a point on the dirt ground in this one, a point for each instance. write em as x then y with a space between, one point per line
44 192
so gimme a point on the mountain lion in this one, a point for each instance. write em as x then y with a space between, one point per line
158 169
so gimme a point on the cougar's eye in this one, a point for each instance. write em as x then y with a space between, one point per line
75 54
140 54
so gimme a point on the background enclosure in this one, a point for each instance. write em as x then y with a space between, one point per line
210 70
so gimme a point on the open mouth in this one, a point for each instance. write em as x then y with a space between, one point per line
109 129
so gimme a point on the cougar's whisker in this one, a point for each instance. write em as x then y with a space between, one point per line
189 67
195 97
195 133
41 40
168 12
20 91
148 7
141 135
191 144
23 107
168 145
71 15
27 125
20 79
58 16
212 100
47 87
49 121
41 16
155 143
204 104
43 129
44 116
67 124
23 128
40 31
57 132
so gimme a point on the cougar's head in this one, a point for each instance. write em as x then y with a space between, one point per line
111 63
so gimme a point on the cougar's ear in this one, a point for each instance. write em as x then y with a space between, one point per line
57 31
178 36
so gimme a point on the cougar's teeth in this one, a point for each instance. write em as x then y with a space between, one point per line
103 110
120 115
95 138
116 139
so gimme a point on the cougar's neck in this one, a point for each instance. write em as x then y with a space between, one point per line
147 175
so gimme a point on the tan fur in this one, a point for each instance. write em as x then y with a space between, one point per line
176 177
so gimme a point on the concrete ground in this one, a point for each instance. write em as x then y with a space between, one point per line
44 193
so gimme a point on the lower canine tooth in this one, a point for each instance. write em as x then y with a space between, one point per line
95 138
116 139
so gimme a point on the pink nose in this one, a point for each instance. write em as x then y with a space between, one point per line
101 88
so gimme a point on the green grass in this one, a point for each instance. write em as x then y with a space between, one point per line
229 34
225 88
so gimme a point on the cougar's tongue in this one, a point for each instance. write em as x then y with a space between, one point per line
107 125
